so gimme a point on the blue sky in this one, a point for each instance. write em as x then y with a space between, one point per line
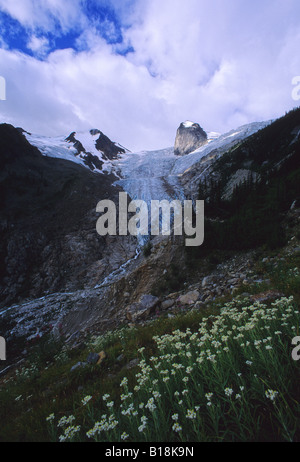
136 69
101 15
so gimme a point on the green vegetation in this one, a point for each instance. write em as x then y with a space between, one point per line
253 215
222 374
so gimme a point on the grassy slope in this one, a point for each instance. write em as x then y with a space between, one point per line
45 385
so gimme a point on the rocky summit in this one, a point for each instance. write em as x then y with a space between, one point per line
190 136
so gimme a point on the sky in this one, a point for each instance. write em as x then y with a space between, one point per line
136 69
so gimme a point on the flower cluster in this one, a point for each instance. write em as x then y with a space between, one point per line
219 367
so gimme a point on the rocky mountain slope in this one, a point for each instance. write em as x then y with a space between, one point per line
47 223
57 274
92 149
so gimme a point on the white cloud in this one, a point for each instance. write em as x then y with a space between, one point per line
46 14
39 45
221 64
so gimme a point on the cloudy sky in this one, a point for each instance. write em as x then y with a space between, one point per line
136 69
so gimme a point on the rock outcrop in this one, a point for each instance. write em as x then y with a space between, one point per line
190 136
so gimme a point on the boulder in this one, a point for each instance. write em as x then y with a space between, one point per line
142 309
206 281
167 304
149 302
189 298
78 365
93 358
96 358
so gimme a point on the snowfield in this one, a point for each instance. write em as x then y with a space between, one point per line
59 148
55 147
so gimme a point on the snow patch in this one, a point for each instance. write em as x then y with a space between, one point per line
188 124
56 147
88 141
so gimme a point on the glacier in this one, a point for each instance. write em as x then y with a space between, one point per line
155 175
145 175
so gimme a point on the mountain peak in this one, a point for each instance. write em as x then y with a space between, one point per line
190 136
91 149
